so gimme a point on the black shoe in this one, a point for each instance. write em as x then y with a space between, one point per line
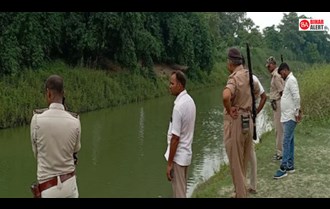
252 191
290 170
277 157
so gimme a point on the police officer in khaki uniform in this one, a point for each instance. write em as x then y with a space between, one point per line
238 127
55 136
260 98
275 94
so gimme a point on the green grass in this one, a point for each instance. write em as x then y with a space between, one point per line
312 149
311 164
85 90
90 89
315 94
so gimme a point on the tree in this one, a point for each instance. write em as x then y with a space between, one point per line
273 39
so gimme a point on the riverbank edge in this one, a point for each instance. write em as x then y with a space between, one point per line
311 148
309 180
87 89
92 89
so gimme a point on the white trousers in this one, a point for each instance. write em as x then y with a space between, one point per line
67 189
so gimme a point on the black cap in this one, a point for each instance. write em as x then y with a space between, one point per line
234 54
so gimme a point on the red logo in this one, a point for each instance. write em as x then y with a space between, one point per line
304 24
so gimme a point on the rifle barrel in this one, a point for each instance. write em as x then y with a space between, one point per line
252 92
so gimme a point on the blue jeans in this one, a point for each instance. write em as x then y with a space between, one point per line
288 144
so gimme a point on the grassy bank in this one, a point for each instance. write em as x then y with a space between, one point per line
88 89
311 164
85 90
311 149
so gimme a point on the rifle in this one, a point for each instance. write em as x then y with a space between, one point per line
254 112
63 103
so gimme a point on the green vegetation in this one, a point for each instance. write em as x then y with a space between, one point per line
315 95
109 58
195 40
97 39
311 164
311 154
88 90
85 90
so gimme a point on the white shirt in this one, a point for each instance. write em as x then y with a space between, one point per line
260 86
182 124
258 120
55 136
290 101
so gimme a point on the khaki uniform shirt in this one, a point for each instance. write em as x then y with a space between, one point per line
276 85
55 136
239 85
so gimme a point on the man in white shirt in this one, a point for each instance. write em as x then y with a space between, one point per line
180 135
290 116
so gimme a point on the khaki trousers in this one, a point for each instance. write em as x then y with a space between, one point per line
179 181
238 149
278 129
253 169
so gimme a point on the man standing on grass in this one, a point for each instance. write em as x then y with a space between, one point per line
180 135
276 90
238 124
253 162
290 116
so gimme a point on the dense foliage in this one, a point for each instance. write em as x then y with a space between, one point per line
124 48
140 39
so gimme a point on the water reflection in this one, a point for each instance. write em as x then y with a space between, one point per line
123 149
96 130
208 160
141 133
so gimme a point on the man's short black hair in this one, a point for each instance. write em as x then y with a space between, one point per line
283 66
55 83
180 76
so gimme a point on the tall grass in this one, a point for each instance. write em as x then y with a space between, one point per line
314 85
85 90
88 89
